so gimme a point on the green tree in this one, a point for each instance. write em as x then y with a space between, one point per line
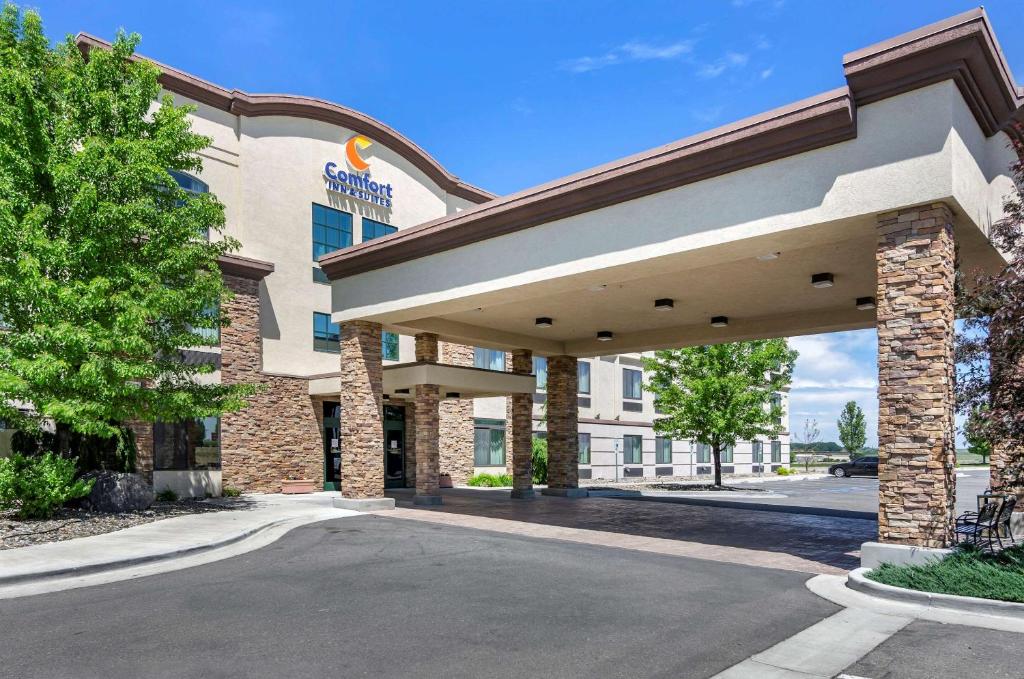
720 394
975 433
106 269
853 431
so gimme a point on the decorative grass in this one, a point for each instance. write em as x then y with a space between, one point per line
490 481
966 572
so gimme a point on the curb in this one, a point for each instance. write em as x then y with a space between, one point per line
92 568
856 580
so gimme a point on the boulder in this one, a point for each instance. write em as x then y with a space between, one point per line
115 492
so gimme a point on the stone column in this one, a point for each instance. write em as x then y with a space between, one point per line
144 452
563 428
520 423
362 416
917 484
427 457
1006 462
456 420
426 347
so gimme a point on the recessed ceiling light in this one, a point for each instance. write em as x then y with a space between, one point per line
598 288
605 336
664 304
451 394
542 322
865 303
822 280
767 257
719 321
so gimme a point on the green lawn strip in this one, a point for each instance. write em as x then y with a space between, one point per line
966 572
490 481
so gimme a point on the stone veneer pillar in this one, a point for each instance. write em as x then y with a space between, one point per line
520 422
362 414
427 431
144 451
917 486
563 427
455 441
1006 463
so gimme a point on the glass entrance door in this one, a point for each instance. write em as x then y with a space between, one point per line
394 447
332 450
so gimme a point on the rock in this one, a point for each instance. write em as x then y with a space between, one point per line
115 492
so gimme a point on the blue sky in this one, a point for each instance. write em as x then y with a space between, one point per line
511 94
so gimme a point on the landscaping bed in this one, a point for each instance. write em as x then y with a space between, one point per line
966 572
680 487
69 523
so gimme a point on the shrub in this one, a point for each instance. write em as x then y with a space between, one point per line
785 471
166 495
228 491
37 486
540 460
490 481
966 572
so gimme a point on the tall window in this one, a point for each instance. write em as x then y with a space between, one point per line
662 450
583 376
332 230
212 334
540 369
488 359
488 443
703 453
374 229
632 383
776 451
726 454
777 403
389 346
632 449
326 335
584 448
757 449
193 186
192 444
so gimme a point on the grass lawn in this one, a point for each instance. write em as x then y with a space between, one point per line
966 572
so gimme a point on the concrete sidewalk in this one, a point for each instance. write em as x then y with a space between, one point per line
165 539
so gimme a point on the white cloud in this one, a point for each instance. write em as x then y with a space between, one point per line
633 51
767 73
720 65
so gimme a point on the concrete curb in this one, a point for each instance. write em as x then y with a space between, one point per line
175 553
856 580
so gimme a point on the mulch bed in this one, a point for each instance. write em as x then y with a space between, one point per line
70 523
683 487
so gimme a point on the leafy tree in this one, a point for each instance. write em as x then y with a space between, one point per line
853 431
974 433
720 394
105 267
990 350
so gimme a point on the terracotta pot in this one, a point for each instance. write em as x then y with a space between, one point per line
296 486
444 481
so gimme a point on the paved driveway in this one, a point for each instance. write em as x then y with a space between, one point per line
371 596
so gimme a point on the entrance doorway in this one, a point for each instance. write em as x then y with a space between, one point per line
332 449
394 447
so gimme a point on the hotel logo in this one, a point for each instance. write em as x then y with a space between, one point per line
357 182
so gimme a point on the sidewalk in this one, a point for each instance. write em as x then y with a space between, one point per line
165 539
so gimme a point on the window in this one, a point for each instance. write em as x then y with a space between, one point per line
326 335
192 444
703 453
583 377
776 451
726 454
193 186
212 334
540 369
632 449
662 450
777 403
332 230
489 359
389 348
488 443
319 276
757 450
584 448
374 229
632 383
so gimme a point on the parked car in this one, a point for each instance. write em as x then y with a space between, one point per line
862 466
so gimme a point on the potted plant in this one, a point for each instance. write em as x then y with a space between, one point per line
293 486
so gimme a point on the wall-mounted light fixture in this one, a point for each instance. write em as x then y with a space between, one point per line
822 280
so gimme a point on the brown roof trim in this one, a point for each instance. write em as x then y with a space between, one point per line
245 267
806 125
254 105
962 49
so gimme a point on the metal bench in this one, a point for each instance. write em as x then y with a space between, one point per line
987 527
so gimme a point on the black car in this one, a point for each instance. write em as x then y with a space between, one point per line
862 466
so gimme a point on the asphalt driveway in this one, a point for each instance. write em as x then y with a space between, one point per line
371 596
